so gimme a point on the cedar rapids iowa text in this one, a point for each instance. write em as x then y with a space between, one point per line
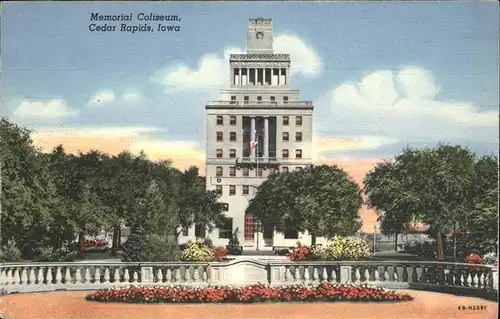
144 24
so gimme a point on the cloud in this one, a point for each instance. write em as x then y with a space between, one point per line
305 59
101 98
131 96
212 71
324 145
402 106
53 109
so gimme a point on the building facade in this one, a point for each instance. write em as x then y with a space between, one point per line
258 127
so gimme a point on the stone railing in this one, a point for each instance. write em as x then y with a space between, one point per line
396 275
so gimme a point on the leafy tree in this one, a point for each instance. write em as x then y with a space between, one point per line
383 187
197 205
319 199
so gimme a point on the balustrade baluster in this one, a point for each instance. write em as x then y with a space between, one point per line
315 273
450 278
205 274
135 277
324 275
39 277
159 276
297 273
24 277
97 276
116 275
78 276
17 278
390 273
169 275
386 273
367 275
357 275
469 278
126 277
306 273
9 278
86 277
475 279
178 274
49 276
196 274
32 276
481 279
334 274
376 276
419 273
106 275
2 277
67 276
187 273
58 275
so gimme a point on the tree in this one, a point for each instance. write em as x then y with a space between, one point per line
321 200
197 205
384 191
432 186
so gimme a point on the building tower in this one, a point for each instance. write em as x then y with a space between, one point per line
258 127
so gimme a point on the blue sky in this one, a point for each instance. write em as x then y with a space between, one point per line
382 75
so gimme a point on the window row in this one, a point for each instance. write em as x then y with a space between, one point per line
226 230
233 120
285 153
246 99
219 171
232 136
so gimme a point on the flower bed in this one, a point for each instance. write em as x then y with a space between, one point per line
248 294
198 252
338 248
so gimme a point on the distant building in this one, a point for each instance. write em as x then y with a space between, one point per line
258 127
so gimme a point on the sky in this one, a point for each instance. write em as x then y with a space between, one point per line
382 76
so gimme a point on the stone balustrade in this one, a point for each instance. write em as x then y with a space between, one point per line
389 274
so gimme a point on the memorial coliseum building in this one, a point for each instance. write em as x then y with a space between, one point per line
257 128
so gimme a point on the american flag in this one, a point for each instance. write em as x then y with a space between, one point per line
253 144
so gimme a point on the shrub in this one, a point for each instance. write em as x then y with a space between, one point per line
10 252
51 254
299 253
234 247
254 293
220 253
474 259
490 258
196 251
355 249
140 247
134 247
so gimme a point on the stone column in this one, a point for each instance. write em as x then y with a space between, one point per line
266 137
248 76
252 136
287 77
241 76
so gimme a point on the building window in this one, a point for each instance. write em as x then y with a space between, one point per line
232 136
220 137
199 230
219 153
232 190
232 153
218 171
298 153
284 169
286 120
298 169
298 136
249 226
220 120
232 171
259 172
259 99
292 234
245 172
185 232
232 120
246 99
286 137
233 99
245 189
226 228
273 98
285 99
218 189
284 153
298 120
272 171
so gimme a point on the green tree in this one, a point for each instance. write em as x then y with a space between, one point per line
321 200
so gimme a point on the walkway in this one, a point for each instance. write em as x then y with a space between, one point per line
71 305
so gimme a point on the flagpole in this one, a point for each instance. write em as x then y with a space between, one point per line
257 150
